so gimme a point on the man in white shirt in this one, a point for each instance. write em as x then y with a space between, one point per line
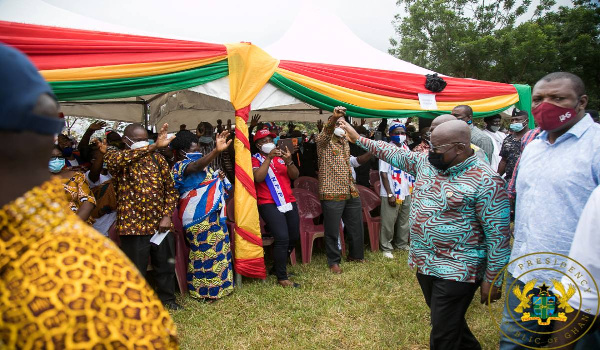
395 190
584 250
492 127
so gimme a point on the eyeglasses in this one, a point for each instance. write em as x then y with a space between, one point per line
436 148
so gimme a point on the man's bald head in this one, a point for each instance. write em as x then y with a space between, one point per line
441 119
452 131
132 129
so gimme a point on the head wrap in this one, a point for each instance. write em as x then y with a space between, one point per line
20 89
396 124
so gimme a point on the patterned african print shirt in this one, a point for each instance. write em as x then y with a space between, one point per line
459 217
63 285
335 173
423 147
145 190
510 152
79 192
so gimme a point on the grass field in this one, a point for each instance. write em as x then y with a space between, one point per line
376 305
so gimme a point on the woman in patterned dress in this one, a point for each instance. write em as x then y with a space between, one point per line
202 211
80 196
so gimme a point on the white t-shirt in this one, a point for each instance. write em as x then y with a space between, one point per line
353 164
497 139
102 179
400 181
104 222
585 250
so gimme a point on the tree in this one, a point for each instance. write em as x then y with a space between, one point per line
69 123
482 40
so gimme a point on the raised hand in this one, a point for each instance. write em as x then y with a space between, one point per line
339 111
254 121
97 125
286 155
102 146
276 152
363 121
163 139
351 134
222 143
320 125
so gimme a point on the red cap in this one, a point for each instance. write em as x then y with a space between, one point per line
261 134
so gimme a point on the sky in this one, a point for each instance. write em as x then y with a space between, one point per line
261 22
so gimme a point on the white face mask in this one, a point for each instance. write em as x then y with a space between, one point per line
139 144
339 132
267 147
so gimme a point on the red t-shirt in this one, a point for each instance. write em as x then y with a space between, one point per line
262 190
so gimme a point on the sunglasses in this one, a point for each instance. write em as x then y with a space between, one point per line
436 148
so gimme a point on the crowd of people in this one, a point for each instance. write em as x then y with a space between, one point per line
449 192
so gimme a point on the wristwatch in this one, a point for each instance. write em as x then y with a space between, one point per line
390 195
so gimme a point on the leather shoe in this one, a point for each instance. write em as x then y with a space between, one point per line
351 259
335 269
288 284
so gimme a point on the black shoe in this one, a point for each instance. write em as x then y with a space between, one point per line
171 305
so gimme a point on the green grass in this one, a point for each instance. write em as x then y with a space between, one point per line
376 305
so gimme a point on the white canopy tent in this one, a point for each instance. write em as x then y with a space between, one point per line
314 36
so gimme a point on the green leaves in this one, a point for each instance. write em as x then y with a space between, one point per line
492 40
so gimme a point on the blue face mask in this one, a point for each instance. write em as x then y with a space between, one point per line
398 138
67 151
193 156
150 141
56 165
516 127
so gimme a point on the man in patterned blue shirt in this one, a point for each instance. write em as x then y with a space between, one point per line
459 222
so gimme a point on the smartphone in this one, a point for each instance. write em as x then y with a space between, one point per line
289 143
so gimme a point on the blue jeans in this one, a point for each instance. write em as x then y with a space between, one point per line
511 328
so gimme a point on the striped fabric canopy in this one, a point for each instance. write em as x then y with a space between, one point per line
90 65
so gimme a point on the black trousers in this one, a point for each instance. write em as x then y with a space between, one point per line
351 212
162 257
448 302
285 228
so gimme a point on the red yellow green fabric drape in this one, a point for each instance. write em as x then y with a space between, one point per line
88 65
249 70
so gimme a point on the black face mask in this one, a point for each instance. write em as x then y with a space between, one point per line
437 160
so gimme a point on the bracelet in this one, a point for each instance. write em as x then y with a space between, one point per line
290 163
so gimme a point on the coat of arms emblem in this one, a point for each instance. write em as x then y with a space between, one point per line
542 307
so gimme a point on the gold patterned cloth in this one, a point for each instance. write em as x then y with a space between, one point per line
79 192
145 190
64 286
